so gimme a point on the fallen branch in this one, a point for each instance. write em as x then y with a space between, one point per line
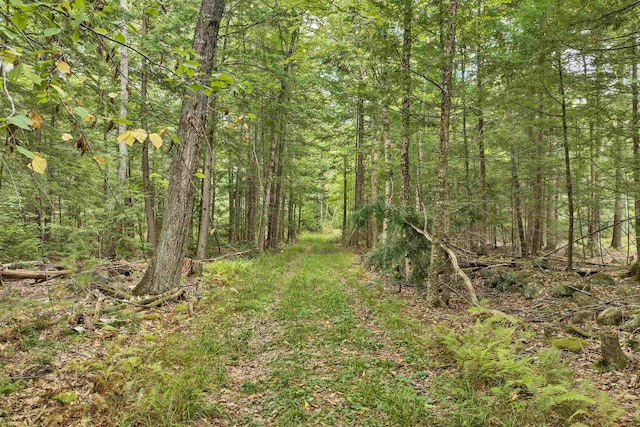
232 255
28 274
454 263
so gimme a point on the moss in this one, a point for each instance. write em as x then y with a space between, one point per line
602 279
574 345
572 329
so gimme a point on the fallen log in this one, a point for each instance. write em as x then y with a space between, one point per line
28 274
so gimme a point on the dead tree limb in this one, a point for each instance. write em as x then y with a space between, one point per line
28 274
454 263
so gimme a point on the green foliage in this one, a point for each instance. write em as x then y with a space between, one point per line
497 373
402 243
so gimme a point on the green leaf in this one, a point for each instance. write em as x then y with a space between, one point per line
252 116
58 89
25 152
76 35
101 31
7 32
20 20
120 38
151 11
21 121
51 31
199 175
226 78
78 4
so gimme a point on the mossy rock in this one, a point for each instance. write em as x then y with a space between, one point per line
583 300
564 289
602 279
631 325
574 345
611 316
567 289
582 316
504 280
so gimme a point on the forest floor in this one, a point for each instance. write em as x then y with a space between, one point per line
310 336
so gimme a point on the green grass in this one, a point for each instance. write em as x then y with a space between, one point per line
292 324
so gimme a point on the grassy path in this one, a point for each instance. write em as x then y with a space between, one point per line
288 339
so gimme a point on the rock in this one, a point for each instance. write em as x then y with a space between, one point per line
612 354
563 290
99 277
574 345
504 280
631 325
611 316
602 279
583 300
582 316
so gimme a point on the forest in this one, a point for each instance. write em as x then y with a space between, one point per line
299 212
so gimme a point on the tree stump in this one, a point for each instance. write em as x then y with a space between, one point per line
612 354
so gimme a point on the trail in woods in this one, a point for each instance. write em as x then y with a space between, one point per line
316 355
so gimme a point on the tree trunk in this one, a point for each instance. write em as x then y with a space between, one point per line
147 189
405 194
517 205
373 183
345 198
616 238
567 163
636 149
388 166
164 270
484 211
441 217
205 199
124 96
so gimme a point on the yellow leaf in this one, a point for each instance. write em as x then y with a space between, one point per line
307 406
67 137
38 164
245 126
89 118
112 95
100 160
63 66
140 135
162 132
212 231
230 126
36 120
127 137
156 140
83 79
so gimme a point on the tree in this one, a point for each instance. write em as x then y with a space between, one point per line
164 270
441 217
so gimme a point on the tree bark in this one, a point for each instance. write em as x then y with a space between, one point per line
517 204
616 238
388 166
567 163
147 188
206 194
165 268
636 148
441 217
405 194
